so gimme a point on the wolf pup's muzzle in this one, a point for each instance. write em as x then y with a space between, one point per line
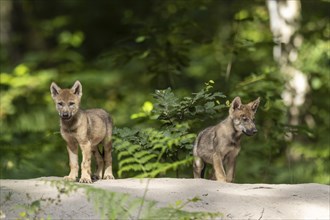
250 132
65 115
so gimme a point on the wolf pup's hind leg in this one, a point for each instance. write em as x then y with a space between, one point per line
99 164
108 161
107 157
198 167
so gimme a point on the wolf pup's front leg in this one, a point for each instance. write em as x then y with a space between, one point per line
73 158
86 163
219 170
231 165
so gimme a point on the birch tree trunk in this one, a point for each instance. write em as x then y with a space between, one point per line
284 23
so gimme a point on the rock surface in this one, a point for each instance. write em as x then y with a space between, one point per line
234 201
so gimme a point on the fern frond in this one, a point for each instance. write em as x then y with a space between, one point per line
164 167
135 167
128 160
147 158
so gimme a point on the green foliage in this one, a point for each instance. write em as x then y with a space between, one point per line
203 103
18 85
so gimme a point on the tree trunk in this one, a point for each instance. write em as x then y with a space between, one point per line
5 27
284 23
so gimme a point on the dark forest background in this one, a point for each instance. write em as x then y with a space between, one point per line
165 70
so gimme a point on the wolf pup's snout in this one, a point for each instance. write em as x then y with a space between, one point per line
65 115
251 132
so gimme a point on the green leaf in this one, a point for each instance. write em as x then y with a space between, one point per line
140 39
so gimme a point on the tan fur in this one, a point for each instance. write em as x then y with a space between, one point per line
219 145
86 128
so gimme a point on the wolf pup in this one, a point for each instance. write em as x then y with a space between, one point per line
87 128
219 145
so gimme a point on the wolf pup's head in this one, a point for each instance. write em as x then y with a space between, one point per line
67 101
243 115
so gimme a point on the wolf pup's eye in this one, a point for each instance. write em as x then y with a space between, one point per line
71 104
245 118
60 104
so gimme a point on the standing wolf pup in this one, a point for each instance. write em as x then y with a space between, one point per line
219 145
87 128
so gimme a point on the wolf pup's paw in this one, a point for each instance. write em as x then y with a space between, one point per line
95 177
69 178
109 177
85 180
221 180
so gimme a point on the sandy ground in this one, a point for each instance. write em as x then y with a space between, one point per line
234 201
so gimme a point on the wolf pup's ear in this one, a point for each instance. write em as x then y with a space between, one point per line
254 105
236 103
77 88
54 89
